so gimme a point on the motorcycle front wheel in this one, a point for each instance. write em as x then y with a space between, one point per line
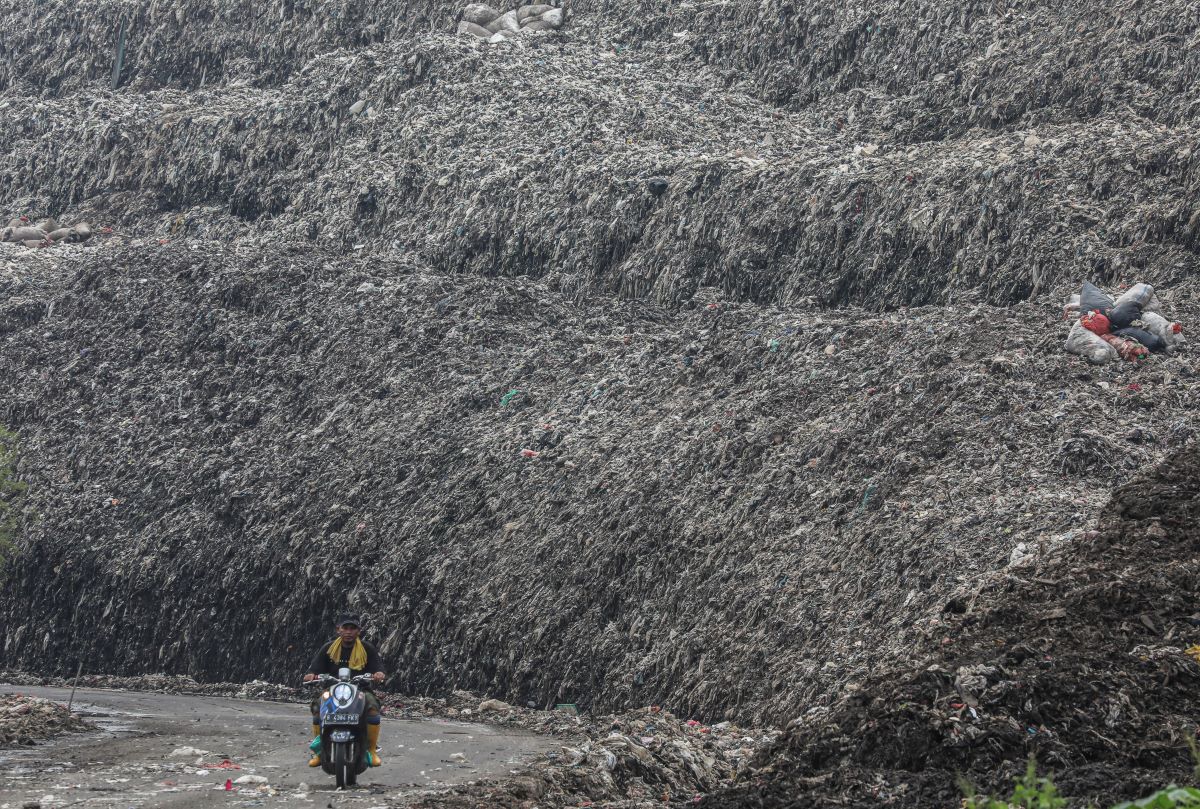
344 770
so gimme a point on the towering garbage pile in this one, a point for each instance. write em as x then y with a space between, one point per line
726 508
354 305
778 153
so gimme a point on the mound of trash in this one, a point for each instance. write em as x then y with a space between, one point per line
880 156
162 684
631 759
777 501
1131 327
635 758
691 355
26 720
484 22
1084 657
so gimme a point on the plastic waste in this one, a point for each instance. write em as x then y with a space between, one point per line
1129 350
468 27
479 14
494 25
505 22
188 752
250 779
1143 295
1071 307
1124 315
1093 298
1170 332
1096 323
43 234
20 234
1088 345
1150 341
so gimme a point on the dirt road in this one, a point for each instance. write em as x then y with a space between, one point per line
135 759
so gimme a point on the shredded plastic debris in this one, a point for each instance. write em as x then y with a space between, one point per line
838 497
25 720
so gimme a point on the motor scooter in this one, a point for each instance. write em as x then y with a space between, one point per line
342 744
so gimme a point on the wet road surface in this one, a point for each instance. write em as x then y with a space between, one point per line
134 760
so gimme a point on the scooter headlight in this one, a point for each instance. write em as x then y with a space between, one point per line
342 693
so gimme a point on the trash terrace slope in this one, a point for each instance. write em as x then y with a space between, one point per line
732 508
925 70
466 158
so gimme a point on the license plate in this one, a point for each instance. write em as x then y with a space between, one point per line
342 719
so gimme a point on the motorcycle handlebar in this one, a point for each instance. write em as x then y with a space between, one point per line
322 679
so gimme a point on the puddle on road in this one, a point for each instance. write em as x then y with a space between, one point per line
12 761
115 726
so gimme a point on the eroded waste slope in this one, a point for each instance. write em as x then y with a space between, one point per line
1077 657
724 508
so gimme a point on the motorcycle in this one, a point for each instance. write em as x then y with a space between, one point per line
342 744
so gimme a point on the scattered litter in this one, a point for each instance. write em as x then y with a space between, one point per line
188 752
250 780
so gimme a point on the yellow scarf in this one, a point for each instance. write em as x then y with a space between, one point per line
358 655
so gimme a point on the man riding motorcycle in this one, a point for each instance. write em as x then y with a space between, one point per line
350 651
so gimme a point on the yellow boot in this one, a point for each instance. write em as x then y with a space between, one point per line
373 744
315 761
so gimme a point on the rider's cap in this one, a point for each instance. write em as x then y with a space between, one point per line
348 618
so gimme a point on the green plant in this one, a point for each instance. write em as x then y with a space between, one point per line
12 491
1032 792
1170 798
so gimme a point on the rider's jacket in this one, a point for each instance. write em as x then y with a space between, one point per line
322 664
